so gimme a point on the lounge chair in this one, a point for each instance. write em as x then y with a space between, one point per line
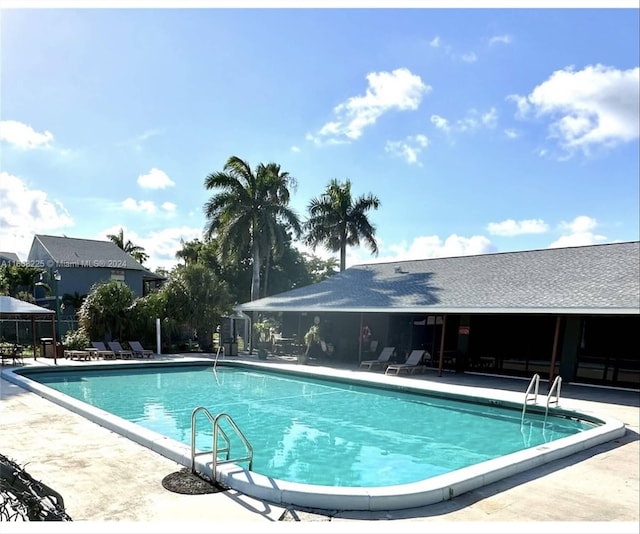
412 365
381 362
103 352
120 352
139 350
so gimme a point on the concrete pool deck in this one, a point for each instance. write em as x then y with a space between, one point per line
105 477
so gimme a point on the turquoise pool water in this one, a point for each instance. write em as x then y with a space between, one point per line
316 431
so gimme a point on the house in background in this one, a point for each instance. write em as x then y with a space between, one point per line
9 258
75 265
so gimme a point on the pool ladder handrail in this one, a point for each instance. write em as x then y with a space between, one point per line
215 361
535 384
217 430
557 384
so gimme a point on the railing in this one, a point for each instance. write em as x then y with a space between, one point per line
215 362
535 384
555 387
218 431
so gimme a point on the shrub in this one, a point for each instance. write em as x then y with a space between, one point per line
76 340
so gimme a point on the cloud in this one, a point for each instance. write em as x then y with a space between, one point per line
469 57
441 123
23 136
139 205
594 107
473 121
511 228
500 39
397 90
423 247
511 133
433 247
295 149
579 232
409 149
137 142
25 212
169 207
155 179
435 42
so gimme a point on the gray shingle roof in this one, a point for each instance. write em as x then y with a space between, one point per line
590 279
71 252
10 257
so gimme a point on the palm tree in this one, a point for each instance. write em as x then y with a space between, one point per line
136 251
337 221
247 211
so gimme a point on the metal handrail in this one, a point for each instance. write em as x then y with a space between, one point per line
227 448
557 384
215 362
535 382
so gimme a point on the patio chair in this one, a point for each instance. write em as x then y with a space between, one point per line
120 352
381 362
138 350
412 365
103 352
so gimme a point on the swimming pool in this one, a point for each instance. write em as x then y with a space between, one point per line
339 444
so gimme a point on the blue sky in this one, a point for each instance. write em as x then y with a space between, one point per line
480 130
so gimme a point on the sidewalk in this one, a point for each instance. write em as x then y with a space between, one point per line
106 477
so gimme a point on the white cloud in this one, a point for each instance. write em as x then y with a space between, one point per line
295 149
397 90
25 212
409 149
169 207
440 122
435 42
137 142
511 133
433 247
161 246
510 227
500 39
155 179
473 121
139 205
23 136
579 232
594 107
470 57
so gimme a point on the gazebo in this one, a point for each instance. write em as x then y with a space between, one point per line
12 309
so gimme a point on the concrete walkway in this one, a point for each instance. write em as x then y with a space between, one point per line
106 478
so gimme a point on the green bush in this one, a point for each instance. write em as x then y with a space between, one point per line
76 340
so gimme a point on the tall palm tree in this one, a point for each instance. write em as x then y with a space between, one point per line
136 251
337 221
247 210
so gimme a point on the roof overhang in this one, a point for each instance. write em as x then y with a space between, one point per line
247 308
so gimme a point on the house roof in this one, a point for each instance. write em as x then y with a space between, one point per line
11 256
597 279
12 307
75 252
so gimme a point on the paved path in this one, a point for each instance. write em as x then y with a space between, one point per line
105 477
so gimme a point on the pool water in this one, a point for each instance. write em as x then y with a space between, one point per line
315 431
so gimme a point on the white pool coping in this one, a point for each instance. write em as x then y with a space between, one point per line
430 491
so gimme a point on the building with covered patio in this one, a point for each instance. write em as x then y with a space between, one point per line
571 311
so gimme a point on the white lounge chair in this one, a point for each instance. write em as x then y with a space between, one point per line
381 362
412 365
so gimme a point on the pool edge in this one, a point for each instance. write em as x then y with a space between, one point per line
430 491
